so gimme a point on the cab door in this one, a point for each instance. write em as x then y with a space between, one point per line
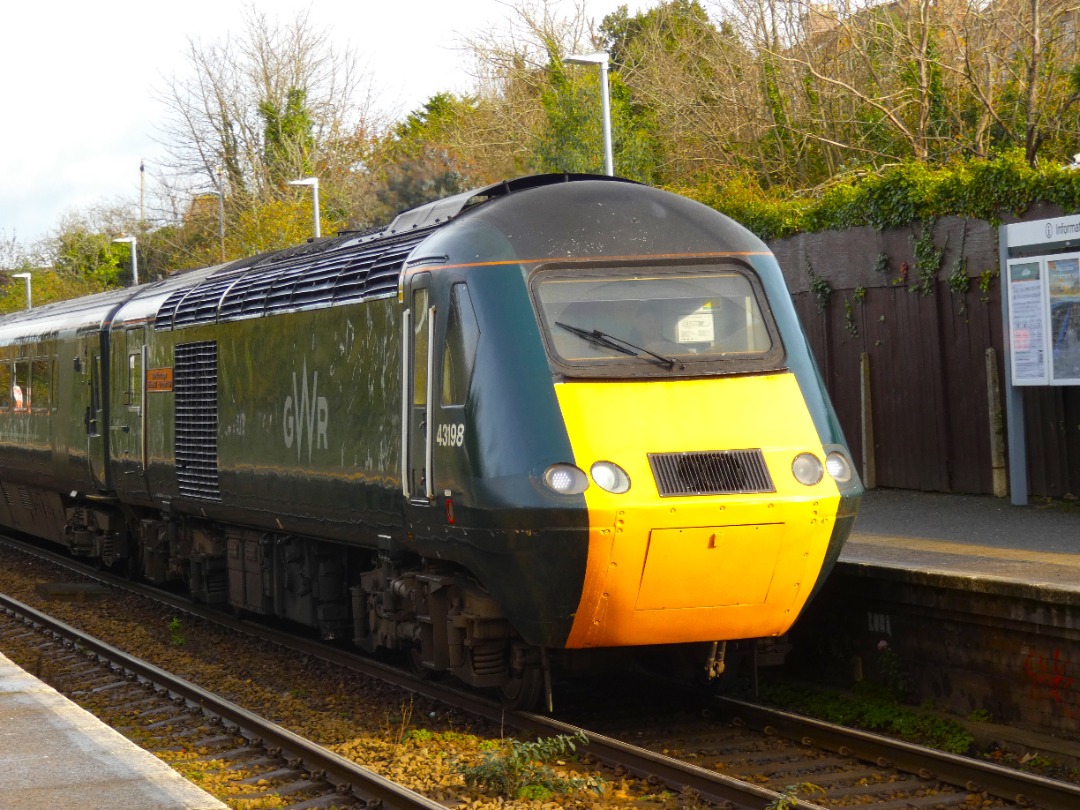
127 410
418 390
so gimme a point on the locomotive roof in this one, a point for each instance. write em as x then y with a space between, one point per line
344 269
91 313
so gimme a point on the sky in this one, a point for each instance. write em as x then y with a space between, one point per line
79 82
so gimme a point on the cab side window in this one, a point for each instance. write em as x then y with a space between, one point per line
5 386
420 346
459 352
41 383
20 386
135 380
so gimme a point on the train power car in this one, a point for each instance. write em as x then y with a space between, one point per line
557 415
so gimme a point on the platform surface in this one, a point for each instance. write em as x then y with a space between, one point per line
55 755
970 536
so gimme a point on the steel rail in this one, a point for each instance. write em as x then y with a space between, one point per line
1029 790
320 762
975 775
717 788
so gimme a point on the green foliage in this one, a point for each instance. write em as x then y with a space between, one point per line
420 166
573 139
287 137
789 796
771 215
93 256
872 708
849 315
521 769
927 259
671 23
957 279
896 196
46 286
893 675
176 632
818 286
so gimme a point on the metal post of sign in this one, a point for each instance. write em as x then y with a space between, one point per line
1014 397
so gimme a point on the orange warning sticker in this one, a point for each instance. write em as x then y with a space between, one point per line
159 379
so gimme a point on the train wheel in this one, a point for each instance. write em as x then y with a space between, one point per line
416 664
523 691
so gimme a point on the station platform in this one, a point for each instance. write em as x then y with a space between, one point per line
1034 547
54 754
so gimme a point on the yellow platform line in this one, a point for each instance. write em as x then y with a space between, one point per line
963 549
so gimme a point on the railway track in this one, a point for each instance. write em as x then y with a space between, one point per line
260 758
770 750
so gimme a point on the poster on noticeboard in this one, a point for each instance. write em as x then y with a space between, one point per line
1044 319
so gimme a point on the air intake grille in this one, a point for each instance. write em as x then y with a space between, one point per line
195 382
340 271
717 472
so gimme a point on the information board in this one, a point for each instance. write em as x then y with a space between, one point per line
1044 319
1063 283
1026 321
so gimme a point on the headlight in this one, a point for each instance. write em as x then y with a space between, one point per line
566 479
838 466
807 469
610 477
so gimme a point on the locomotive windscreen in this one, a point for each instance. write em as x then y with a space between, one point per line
657 317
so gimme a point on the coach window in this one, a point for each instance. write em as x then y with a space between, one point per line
459 353
40 383
53 363
20 386
5 386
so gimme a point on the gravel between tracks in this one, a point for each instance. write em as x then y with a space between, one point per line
418 743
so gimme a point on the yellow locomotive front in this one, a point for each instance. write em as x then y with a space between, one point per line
717 485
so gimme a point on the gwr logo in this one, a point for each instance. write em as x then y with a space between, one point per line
306 414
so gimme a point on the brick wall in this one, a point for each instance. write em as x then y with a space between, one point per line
968 645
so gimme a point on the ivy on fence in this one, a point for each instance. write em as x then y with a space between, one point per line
897 196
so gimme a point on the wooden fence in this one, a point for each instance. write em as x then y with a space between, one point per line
914 363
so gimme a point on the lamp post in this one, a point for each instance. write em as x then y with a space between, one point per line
601 59
221 209
134 258
25 277
314 183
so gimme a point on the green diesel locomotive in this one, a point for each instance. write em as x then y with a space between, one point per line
513 429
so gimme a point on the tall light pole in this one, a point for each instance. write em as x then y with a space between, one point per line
601 59
221 209
314 183
134 258
26 277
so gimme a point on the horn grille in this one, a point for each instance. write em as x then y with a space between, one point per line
712 472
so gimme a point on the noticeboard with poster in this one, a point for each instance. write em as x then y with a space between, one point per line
1044 319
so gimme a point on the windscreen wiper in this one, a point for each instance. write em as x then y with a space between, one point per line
612 342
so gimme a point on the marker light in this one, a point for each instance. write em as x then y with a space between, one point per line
610 477
838 466
807 469
566 479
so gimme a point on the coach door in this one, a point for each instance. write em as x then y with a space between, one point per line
127 409
96 434
417 393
